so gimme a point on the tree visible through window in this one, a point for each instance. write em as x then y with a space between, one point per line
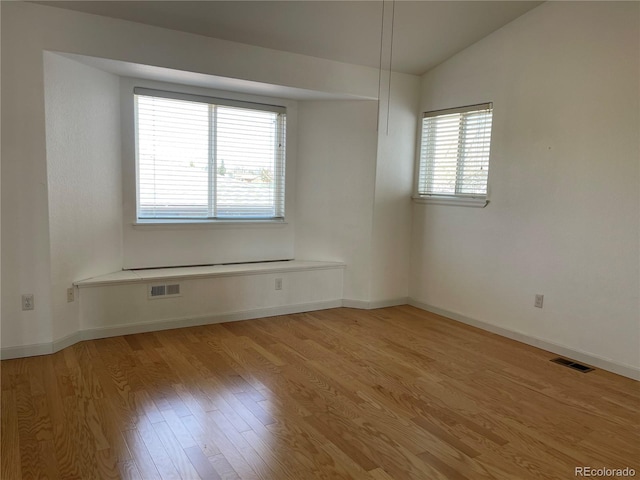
205 158
454 152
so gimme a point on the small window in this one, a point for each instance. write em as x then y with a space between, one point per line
203 158
454 155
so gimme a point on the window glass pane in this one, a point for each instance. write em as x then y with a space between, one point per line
199 160
444 153
246 159
454 152
173 151
475 154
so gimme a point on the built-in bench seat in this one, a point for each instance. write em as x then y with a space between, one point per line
205 271
130 301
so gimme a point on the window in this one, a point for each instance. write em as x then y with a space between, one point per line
203 158
454 155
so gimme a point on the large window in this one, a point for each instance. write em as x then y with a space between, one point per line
207 158
454 154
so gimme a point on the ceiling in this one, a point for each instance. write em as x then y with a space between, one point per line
425 33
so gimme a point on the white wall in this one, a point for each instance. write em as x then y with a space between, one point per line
28 30
335 187
0 200
353 189
25 225
84 179
391 229
564 185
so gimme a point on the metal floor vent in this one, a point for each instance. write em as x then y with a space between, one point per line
164 291
571 364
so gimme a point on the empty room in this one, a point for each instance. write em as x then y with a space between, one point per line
289 240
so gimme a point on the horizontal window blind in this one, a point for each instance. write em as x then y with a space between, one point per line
454 152
203 160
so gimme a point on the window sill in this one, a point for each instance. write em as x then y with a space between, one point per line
197 224
478 202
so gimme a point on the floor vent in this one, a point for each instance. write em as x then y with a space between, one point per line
571 364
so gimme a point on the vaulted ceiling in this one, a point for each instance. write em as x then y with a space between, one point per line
425 33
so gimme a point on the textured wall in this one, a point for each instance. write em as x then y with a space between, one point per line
563 213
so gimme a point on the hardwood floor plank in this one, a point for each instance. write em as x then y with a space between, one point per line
380 474
345 463
30 431
182 435
140 455
145 406
175 451
445 436
76 440
347 442
204 440
157 451
273 454
309 448
227 449
201 463
238 444
127 470
107 464
224 468
394 393
10 454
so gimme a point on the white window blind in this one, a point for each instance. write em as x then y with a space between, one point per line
454 152
207 158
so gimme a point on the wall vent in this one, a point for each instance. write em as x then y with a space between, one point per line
572 364
157 290
164 291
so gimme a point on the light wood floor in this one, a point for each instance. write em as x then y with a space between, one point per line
395 393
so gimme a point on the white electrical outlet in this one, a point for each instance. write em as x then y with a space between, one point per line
27 302
278 284
70 295
538 300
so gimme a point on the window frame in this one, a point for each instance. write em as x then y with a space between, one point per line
458 199
281 162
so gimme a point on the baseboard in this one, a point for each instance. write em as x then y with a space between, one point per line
585 357
66 341
32 350
363 305
104 332
7 353
181 322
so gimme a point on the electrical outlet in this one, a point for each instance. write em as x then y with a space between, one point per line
70 295
278 284
27 302
538 301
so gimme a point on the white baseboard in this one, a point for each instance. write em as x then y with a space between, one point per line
111 331
66 341
589 358
21 351
363 305
167 324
